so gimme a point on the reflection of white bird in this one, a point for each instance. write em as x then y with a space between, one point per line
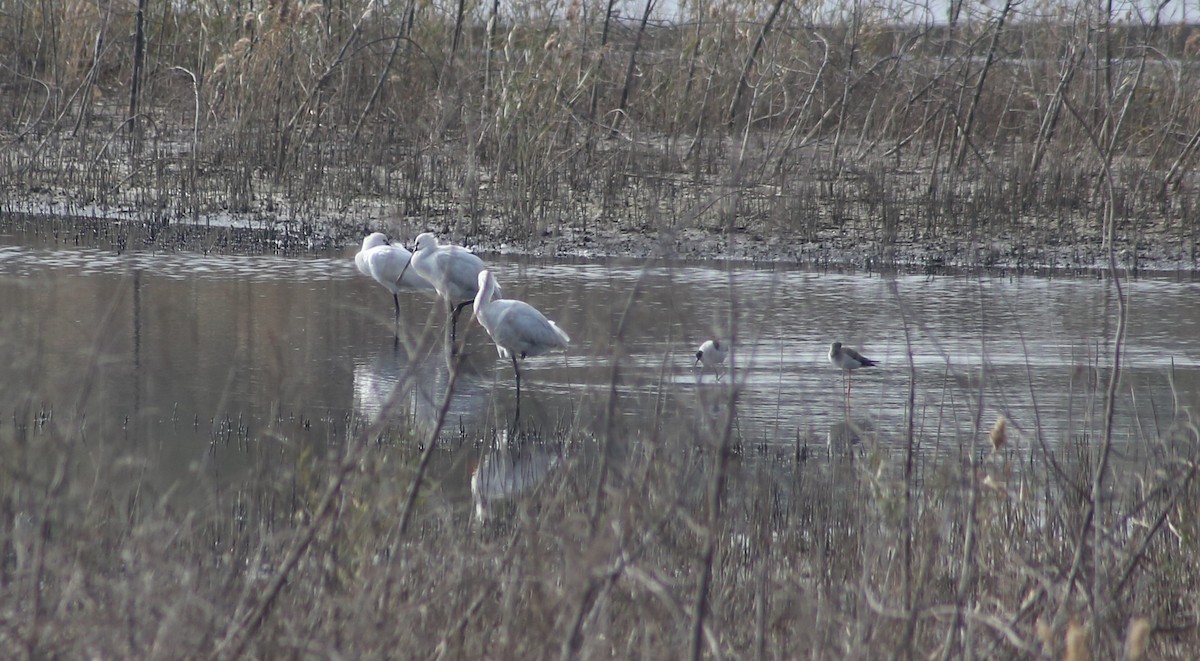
518 329
712 355
378 373
848 359
387 264
501 475
452 270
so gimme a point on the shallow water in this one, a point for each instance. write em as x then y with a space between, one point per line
211 364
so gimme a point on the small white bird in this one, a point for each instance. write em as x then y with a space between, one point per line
386 264
712 355
453 271
848 359
518 329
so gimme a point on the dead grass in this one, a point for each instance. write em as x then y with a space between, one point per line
854 141
853 133
841 556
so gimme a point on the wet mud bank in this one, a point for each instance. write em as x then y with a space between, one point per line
833 249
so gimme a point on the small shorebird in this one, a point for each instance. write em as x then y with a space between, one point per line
387 263
712 355
849 360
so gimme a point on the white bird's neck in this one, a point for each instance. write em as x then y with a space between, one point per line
485 294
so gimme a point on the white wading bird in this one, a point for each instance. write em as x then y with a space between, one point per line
386 264
518 329
453 271
849 360
712 355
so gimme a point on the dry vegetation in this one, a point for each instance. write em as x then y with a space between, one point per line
661 541
861 134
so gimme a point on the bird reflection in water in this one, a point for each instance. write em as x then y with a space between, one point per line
849 437
423 392
505 473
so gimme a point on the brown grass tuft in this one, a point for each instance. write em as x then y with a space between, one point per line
999 433
241 46
249 23
1137 639
1077 643
312 10
1044 633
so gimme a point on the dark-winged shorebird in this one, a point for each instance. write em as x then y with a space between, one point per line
848 359
712 355
387 263
454 273
518 329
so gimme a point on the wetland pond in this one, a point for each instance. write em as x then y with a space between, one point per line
198 368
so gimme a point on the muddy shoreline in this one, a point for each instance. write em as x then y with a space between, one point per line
833 250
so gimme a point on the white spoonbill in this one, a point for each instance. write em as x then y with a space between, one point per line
386 263
712 355
518 329
452 270
848 359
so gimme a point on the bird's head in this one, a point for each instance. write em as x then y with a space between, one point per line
425 240
485 293
374 240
